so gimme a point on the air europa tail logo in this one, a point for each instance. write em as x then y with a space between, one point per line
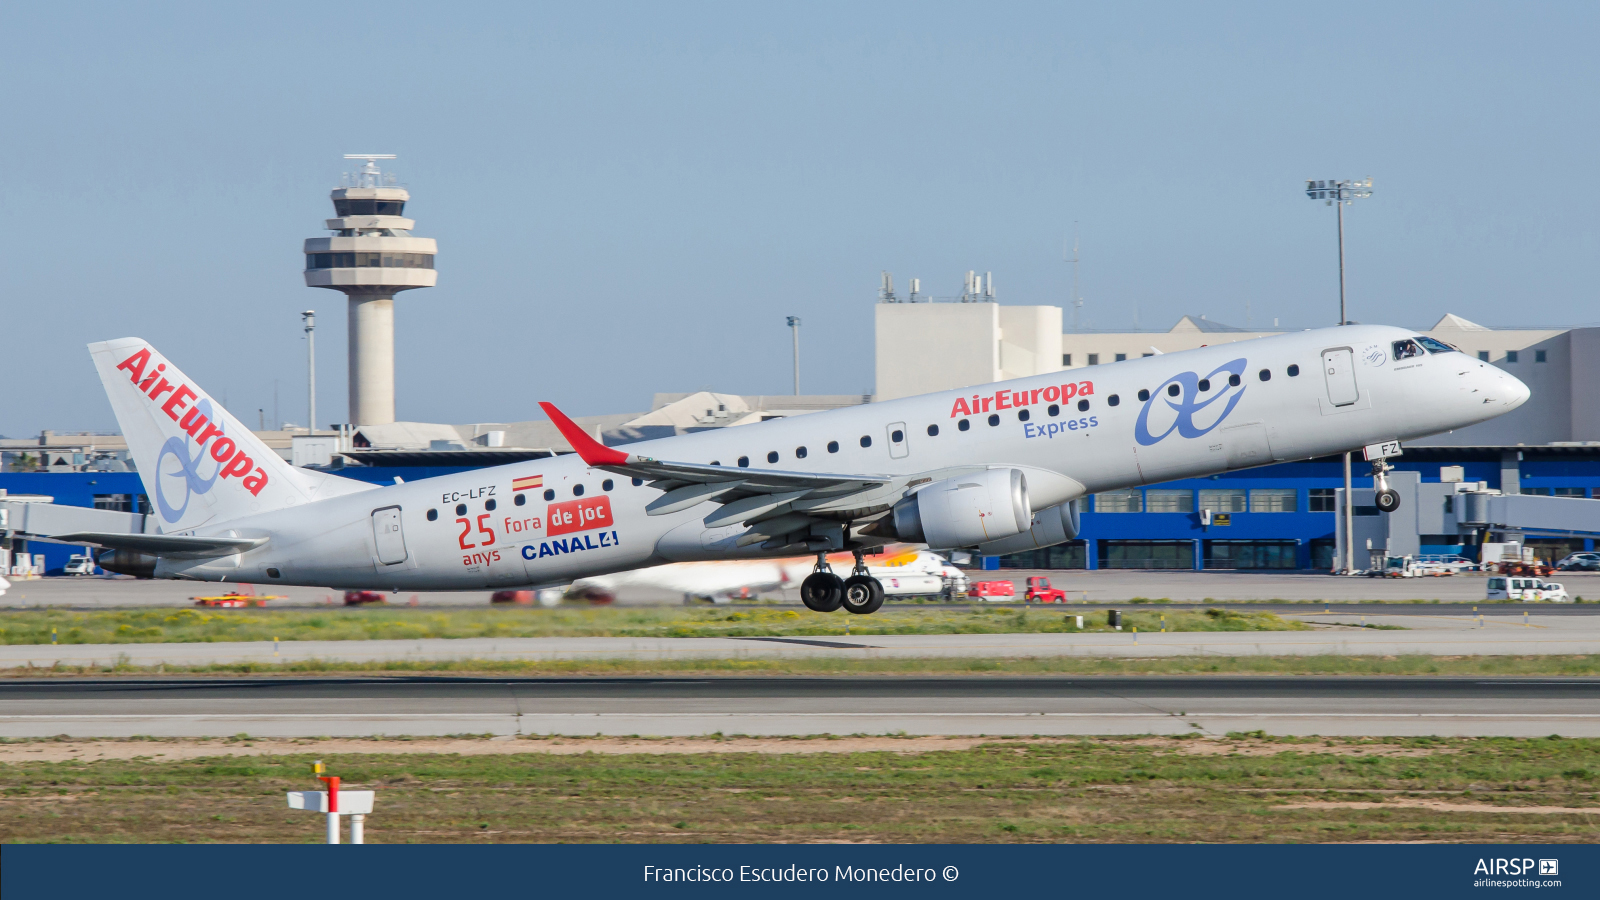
201 424
1186 397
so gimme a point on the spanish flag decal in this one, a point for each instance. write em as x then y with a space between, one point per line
527 482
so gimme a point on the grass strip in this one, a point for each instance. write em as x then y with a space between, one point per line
1551 665
1246 788
140 626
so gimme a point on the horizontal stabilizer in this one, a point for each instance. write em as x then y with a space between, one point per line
171 545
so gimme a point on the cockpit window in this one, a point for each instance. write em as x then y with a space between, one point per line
1406 350
1436 346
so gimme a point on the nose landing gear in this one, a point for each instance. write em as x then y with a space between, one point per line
1386 498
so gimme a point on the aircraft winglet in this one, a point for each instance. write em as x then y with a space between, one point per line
590 450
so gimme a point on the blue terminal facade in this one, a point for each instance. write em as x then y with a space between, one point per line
1274 517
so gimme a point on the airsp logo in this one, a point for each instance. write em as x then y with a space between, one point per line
1178 405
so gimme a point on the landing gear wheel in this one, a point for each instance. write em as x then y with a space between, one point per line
822 591
863 594
1387 500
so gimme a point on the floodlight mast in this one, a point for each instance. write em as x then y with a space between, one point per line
1339 194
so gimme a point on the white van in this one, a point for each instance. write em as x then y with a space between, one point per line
1501 588
79 564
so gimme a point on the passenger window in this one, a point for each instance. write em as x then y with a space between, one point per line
1083 406
772 457
800 453
1113 400
994 420
1173 390
639 481
1293 370
1053 410
897 436
1205 385
606 485
933 431
489 505
1406 350
714 462
522 500
461 509
433 515
833 446
1264 374
1143 395
1022 415
1233 380
577 490
963 425
744 462
549 495
866 440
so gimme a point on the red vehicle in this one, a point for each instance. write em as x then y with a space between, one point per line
362 598
1040 591
992 589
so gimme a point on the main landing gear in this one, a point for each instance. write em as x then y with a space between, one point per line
823 591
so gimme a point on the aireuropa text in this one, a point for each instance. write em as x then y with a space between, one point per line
792 873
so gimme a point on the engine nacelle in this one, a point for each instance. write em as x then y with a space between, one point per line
1055 525
965 510
127 562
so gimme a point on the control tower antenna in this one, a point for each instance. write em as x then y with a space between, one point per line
370 257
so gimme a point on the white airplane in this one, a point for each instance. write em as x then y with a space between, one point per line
991 469
723 579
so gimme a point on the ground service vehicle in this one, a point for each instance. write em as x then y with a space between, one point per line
1579 562
78 564
1513 588
993 590
1040 591
991 470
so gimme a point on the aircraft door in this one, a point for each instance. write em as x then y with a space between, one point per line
1339 371
386 534
899 441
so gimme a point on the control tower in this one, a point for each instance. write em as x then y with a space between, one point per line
370 257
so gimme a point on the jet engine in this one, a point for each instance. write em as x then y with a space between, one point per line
965 510
127 562
1053 525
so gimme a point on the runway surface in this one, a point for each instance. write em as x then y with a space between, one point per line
1448 634
281 707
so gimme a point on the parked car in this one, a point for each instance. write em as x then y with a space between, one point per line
1513 588
1579 562
78 564
1040 591
993 591
362 598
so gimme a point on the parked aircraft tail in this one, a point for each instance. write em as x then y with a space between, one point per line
199 465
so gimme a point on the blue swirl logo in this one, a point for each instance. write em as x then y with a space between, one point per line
184 475
1185 403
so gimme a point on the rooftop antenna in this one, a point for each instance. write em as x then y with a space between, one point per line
370 175
915 284
1077 299
886 289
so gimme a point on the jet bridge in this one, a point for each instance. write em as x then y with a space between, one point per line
1458 513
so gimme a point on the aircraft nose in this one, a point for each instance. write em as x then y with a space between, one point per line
1516 393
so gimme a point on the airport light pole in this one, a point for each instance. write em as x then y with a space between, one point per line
309 317
1339 194
794 328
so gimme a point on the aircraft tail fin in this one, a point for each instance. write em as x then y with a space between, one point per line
198 463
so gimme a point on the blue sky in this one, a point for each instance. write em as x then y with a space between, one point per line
630 198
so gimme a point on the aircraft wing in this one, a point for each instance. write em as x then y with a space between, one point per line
750 496
176 545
